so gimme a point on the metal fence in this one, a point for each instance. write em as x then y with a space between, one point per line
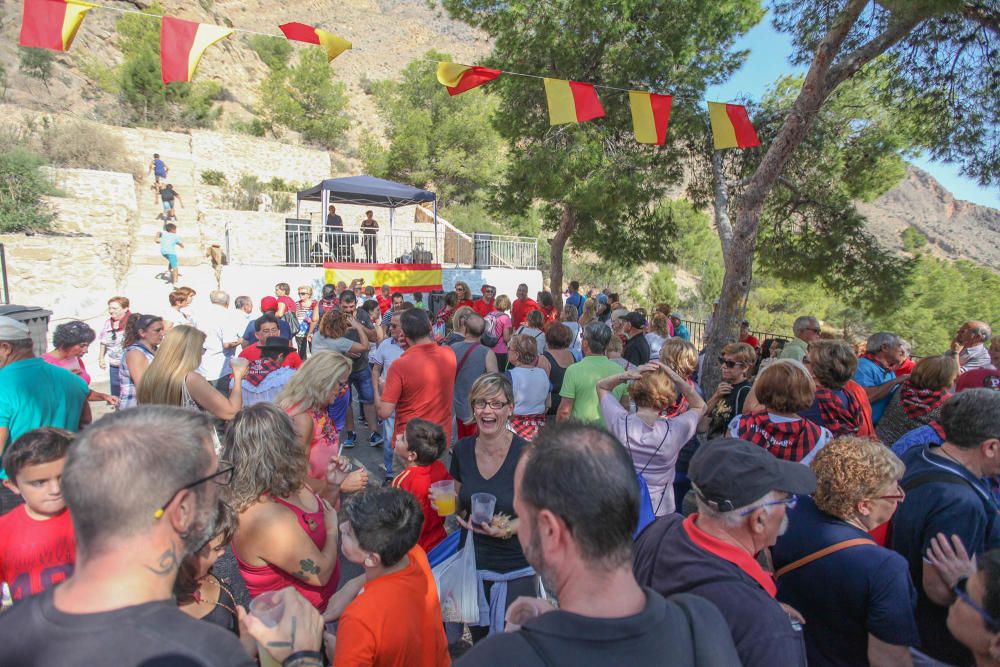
696 334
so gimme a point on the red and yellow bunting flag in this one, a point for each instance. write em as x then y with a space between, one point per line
404 278
571 101
181 45
650 116
731 126
51 24
460 78
300 32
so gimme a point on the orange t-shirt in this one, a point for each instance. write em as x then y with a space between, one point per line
421 383
395 621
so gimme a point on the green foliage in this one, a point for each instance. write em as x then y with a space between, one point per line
282 202
595 170
274 51
3 82
254 127
213 177
22 184
304 98
435 140
662 288
242 195
36 63
913 239
106 77
86 146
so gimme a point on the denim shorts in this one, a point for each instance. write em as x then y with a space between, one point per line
361 381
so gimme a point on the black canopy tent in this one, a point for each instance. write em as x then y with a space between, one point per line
368 191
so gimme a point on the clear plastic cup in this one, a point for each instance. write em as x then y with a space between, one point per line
268 607
239 362
445 497
483 505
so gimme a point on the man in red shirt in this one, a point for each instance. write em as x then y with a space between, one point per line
421 382
485 306
37 546
266 327
522 306
747 337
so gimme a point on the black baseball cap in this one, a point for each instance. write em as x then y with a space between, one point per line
275 343
731 473
635 319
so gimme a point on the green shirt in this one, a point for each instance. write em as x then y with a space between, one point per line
34 393
795 349
580 384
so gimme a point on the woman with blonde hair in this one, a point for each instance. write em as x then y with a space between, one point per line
918 401
868 617
503 328
463 293
653 441
173 379
659 332
306 399
531 387
589 312
682 357
782 390
570 318
287 534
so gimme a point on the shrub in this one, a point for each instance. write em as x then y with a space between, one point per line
274 51
282 202
242 196
105 76
913 239
254 127
37 63
3 82
213 177
86 146
22 184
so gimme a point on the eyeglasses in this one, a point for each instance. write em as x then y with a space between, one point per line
815 329
496 405
304 293
728 363
961 592
895 496
223 476
788 502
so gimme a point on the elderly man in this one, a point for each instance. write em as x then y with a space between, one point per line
988 378
576 495
743 493
223 330
118 607
637 350
969 345
876 370
33 393
806 329
579 387
948 494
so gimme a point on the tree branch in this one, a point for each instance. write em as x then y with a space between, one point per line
861 56
980 14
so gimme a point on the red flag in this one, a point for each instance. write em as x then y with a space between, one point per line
460 78
300 32
51 24
181 45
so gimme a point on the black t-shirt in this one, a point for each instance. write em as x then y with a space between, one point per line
154 634
334 222
167 194
727 408
637 350
492 553
361 363
684 631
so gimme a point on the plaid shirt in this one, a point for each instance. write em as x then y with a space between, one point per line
789 441
127 392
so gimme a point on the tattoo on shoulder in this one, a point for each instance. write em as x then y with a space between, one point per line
167 563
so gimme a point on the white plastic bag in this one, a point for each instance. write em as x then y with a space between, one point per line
458 585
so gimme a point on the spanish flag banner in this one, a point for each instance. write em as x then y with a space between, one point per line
181 45
300 32
571 102
731 126
650 116
404 278
51 24
460 78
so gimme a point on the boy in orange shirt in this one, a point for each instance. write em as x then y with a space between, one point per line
37 542
419 447
395 621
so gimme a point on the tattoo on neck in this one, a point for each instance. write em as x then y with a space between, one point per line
167 564
291 641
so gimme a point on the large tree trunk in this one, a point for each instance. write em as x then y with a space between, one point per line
821 80
557 246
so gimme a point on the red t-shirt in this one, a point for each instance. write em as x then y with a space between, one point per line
35 555
290 305
751 341
417 480
978 378
384 303
292 359
468 302
520 309
395 621
421 383
483 307
905 368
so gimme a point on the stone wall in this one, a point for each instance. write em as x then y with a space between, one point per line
237 154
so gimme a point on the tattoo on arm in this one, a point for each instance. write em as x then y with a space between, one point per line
167 564
291 642
306 567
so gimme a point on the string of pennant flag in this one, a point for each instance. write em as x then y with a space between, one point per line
53 24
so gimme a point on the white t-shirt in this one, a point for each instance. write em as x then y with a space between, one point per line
531 388
220 325
386 353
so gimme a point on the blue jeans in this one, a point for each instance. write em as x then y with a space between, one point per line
116 386
388 425
361 381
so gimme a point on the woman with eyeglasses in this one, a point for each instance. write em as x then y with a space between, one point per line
143 335
485 463
974 616
110 339
306 398
304 308
857 597
464 294
288 534
735 363
173 378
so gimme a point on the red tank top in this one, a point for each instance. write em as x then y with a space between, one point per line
262 578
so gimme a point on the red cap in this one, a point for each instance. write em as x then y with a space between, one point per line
268 303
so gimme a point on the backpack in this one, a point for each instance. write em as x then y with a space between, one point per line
490 338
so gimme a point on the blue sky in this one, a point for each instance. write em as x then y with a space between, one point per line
769 51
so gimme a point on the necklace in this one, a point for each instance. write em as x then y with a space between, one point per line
212 580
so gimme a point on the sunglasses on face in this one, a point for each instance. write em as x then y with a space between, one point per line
728 363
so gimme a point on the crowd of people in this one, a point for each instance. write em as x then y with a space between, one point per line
822 505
